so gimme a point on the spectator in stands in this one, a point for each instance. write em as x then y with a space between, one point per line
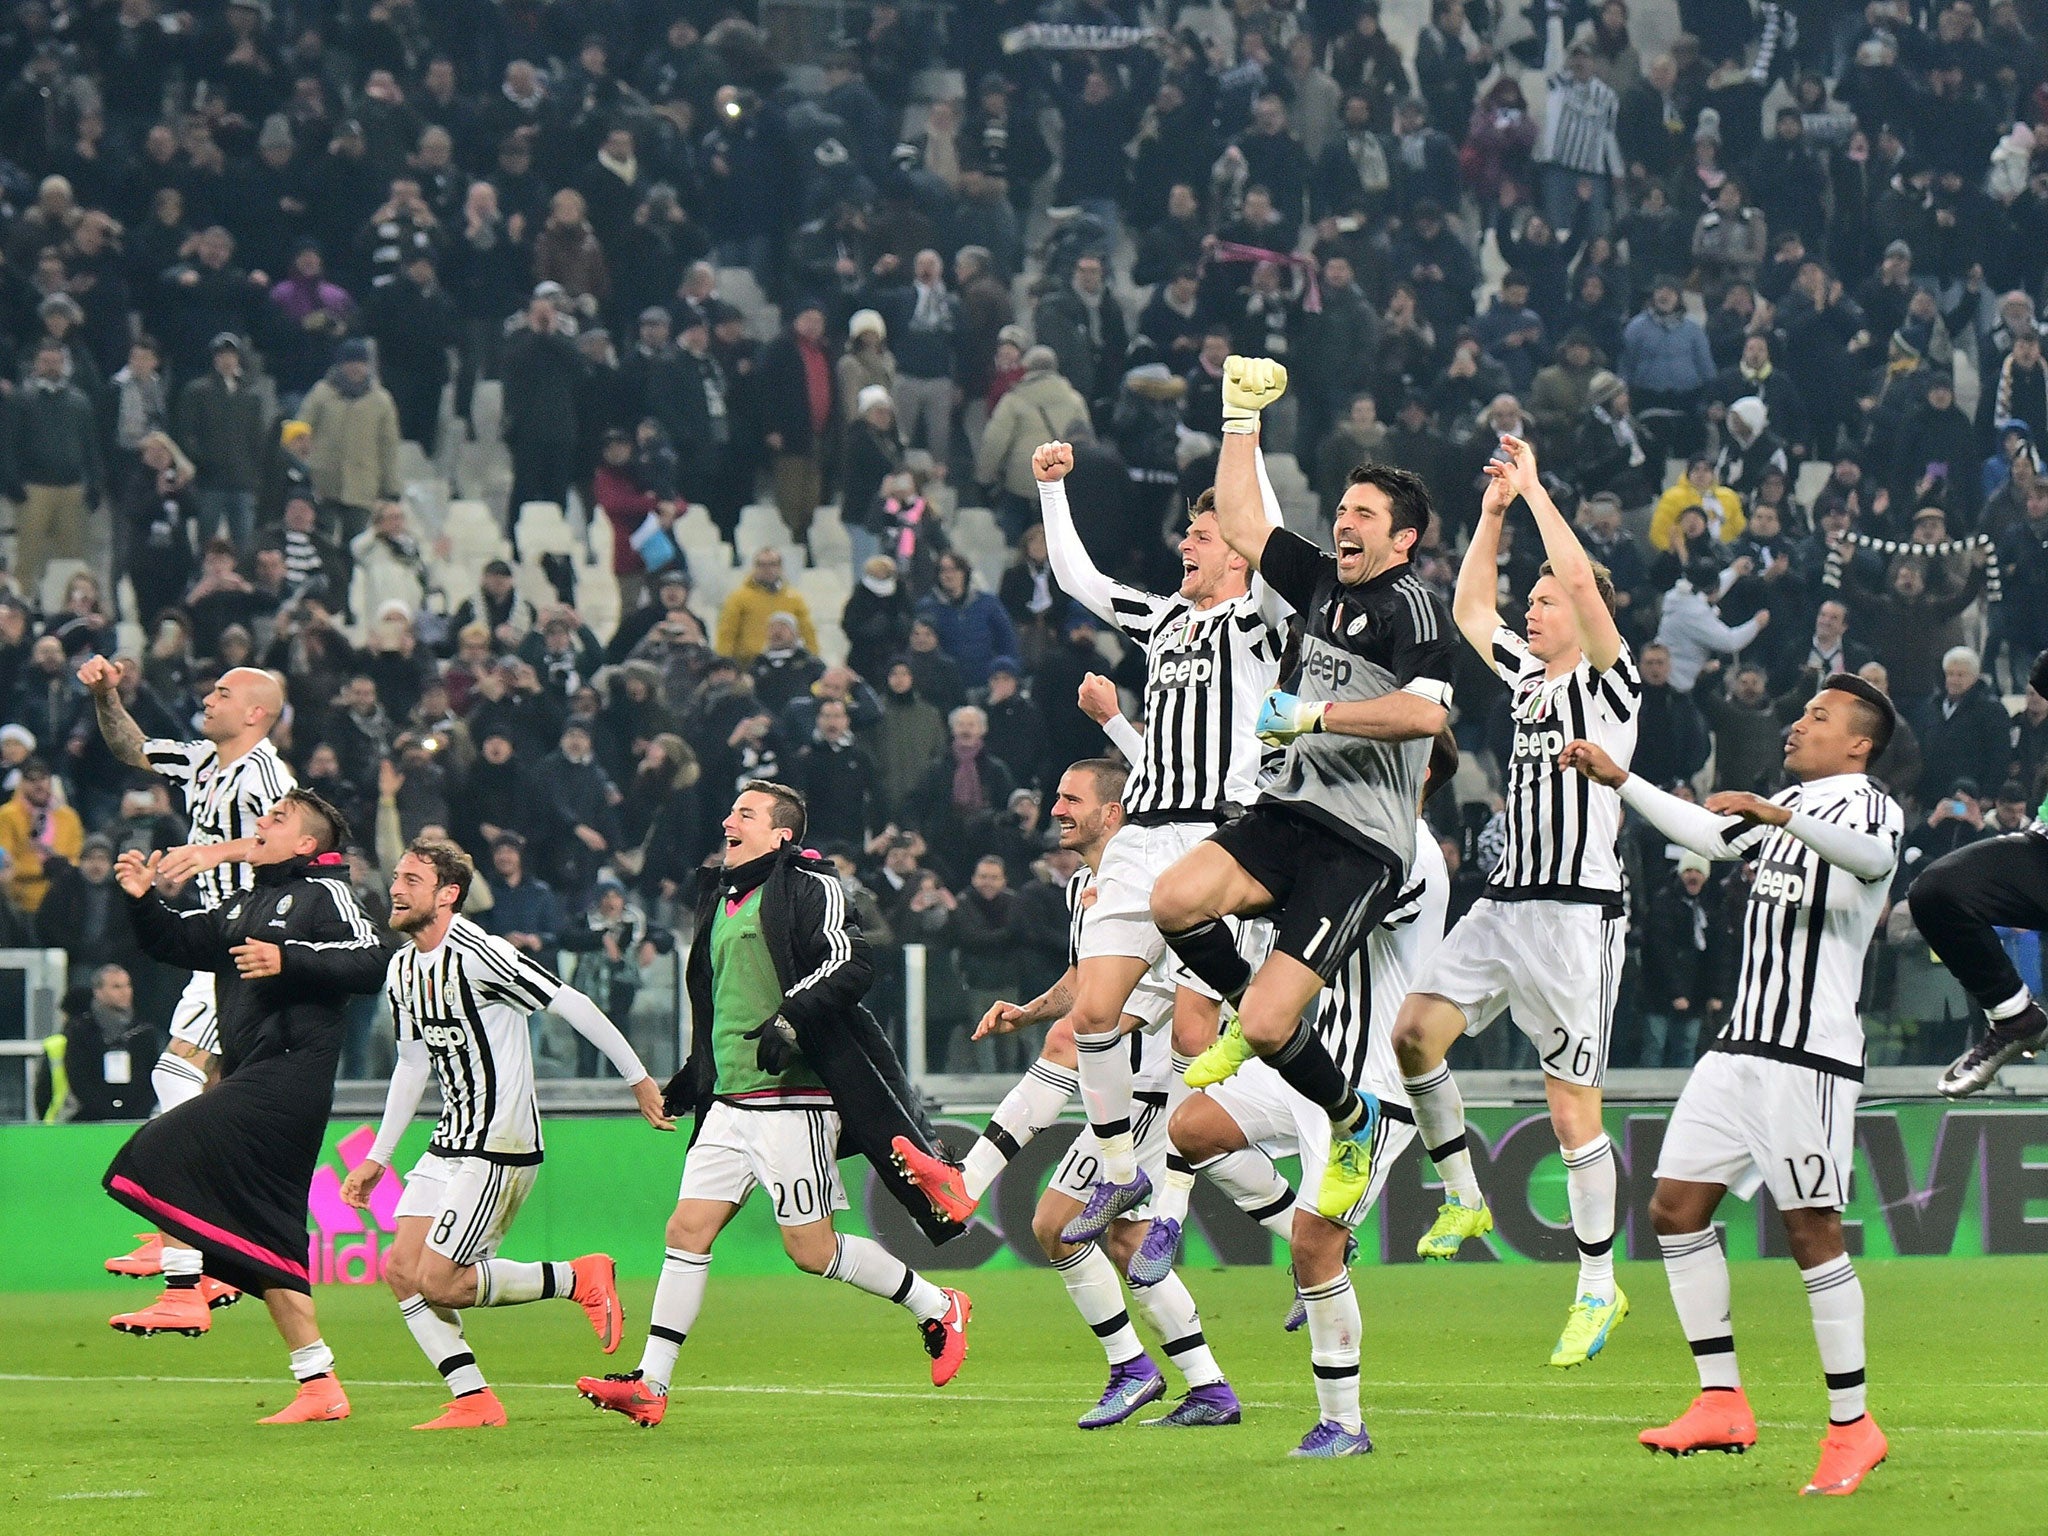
1692 632
744 618
54 472
927 334
154 519
1720 510
524 910
784 670
1678 990
798 394
1666 363
873 452
1083 325
839 777
354 448
876 619
912 732
1910 624
866 361
979 931
1042 407
971 625
1964 730
35 828
222 425
415 325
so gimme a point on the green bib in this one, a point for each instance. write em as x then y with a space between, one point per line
745 993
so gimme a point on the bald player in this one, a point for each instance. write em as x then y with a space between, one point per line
230 778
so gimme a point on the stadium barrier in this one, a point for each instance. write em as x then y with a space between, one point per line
1931 1180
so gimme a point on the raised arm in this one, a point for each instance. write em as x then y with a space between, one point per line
1276 608
1569 563
1099 702
124 738
1250 384
1072 568
1475 603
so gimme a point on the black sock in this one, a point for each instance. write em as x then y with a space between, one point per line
1309 1071
181 1282
1209 949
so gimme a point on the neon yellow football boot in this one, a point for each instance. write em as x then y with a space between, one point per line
1453 1225
1221 1060
1586 1329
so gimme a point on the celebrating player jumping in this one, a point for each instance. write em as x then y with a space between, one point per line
1326 849
1773 1102
460 999
1546 938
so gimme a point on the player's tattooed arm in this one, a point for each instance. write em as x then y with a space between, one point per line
1055 1002
102 678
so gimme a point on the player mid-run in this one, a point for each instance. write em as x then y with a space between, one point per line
1326 849
230 779
1772 1104
460 1001
1546 939
783 1060
1212 649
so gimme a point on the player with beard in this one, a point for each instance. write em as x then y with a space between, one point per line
460 1000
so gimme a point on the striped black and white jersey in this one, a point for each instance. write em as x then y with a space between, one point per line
223 803
1356 1022
1207 670
1385 635
1805 929
468 1000
1563 831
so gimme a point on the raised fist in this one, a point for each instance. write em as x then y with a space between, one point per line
1051 461
1250 384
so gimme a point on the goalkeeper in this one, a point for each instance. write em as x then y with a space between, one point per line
1327 848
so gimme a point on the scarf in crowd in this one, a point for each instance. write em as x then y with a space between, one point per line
1231 251
1994 590
967 792
1068 37
1624 435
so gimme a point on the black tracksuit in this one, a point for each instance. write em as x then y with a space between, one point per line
228 1172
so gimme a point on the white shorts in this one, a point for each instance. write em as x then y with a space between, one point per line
1556 964
196 1019
1082 1166
470 1201
791 1153
1120 921
1278 1120
1746 1121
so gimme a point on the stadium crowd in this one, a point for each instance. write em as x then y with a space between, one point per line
1734 292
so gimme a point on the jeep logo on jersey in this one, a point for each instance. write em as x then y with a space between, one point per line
1185 671
444 1037
1327 666
1538 746
1782 883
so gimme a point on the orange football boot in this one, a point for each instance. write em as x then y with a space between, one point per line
181 1309
142 1262
624 1392
596 1290
1718 1420
473 1410
1847 1454
936 1179
319 1401
945 1336
218 1293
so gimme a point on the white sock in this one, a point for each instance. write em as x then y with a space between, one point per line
1697 1270
1836 1296
1333 1330
2015 1004
438 1332
315 1359
1106 1091
1035 1103
678 1296
1171 1311
1091 1281
182 1266
1440 1123
1255 1187
867 1266
1170 1199
175 1080
1589 1183
502 1283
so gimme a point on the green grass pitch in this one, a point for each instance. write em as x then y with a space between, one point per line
802 1405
